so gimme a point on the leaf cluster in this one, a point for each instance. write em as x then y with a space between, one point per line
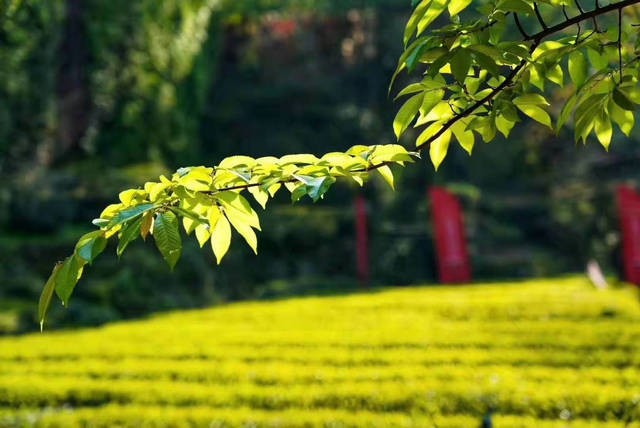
477 80
212 202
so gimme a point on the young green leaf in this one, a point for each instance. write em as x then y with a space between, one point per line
406 114
244 230
465 137
578 68
128 214
67 277
386 174
47 294
457 6
460 64
166 234
603 129
622 100
90 245
439 147
237 204
128 234
203 233
623 118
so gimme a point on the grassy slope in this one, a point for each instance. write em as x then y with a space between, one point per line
551 353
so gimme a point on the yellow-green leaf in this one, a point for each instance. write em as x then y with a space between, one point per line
439 147
203 233
465 137
578 68
406 114
603 129
623 118
386 174
221 238
536 113
457 6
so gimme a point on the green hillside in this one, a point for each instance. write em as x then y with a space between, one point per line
554 353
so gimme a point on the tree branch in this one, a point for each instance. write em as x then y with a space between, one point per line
592 14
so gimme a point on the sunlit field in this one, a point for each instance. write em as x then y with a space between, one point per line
554 353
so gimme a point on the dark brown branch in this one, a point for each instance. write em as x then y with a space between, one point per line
539 16
508 81
592 14
620 42
519 25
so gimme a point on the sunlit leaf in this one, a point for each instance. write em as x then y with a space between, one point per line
578 68
406 114
221 238
438 148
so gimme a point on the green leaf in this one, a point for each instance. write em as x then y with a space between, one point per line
90 245
518 6
261 196
623 118
585 114
555 75
128 214
221 238
390 153
67 277
436 7
504 125
457 6
237 205
166 234
386 174
439 147
603 130
406 114
245 230
530 99
597 60
203 233
47 294
465 137
622 100
430 100
536 113
460 64
128 234
302 158
578 68
412 24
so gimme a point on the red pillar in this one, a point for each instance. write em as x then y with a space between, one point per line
629 212
451 245
362 240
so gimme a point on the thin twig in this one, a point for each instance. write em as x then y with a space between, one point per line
620 42
539 16
519 25
592 14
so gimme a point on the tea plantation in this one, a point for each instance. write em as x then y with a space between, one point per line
554 353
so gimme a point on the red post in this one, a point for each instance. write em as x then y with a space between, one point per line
362 240
451 245
629 212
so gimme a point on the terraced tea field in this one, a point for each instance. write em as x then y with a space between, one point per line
553 353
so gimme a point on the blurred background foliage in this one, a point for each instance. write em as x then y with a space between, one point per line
99 95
